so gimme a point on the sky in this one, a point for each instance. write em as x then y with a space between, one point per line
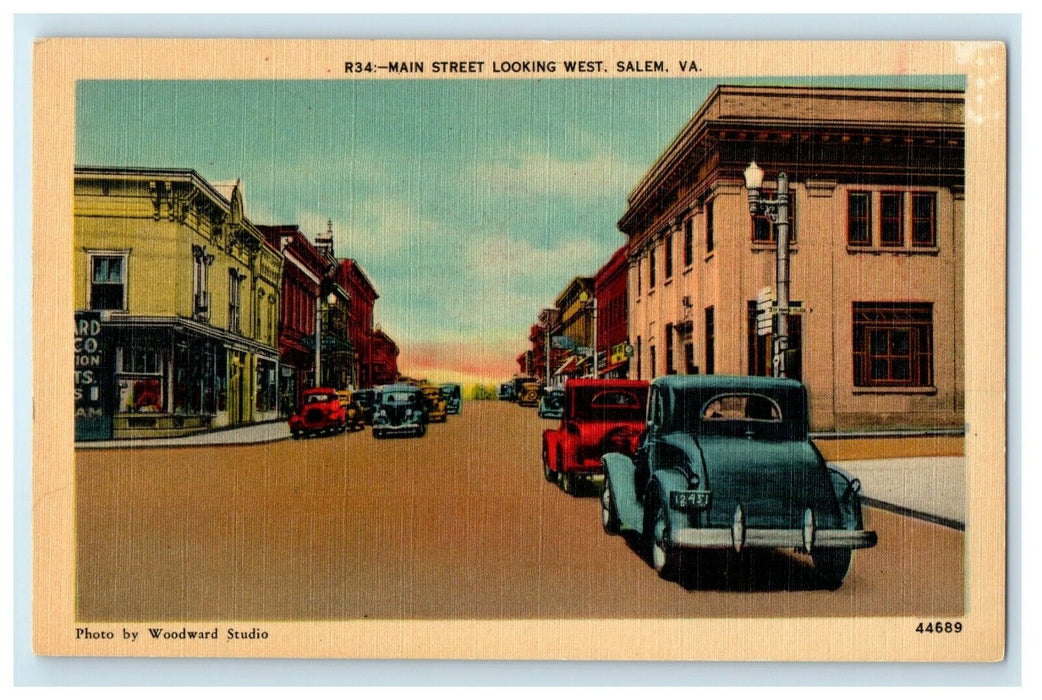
470 203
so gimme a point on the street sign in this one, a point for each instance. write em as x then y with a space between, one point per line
764 306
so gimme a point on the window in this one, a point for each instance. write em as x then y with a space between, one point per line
639 375
709 226
766 232
201 280
893 344
108 282
651 349
859 218
689 242
140 380
668 261
710 341
670 369
639 283
892 219
924 221
651 268
235 279
689 359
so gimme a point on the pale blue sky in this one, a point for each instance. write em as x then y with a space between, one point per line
471 203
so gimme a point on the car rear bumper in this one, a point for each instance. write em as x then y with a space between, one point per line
406 428
733 538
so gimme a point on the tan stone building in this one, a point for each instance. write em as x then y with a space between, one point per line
876 191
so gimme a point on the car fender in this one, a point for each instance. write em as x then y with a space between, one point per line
665 481
621 473
848 494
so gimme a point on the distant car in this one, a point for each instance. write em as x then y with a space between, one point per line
726 463
399 410
529 395
453 398
365 398
599 416
551 404
320 412
505 392
436 404
353 414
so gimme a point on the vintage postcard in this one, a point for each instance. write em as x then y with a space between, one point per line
652 350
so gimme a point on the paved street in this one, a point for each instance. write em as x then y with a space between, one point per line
459 524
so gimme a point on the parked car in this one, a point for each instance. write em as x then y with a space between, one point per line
352 411
551 404
726 463
453 398
365 398
436 404
529 395
399 410
320 412
599 416
505 392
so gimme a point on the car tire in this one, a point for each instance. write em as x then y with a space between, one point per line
569 483
831 566
548 474
609 512
664 558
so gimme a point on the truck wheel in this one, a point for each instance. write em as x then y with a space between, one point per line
831 565
664 557
569 483
609 513
547 473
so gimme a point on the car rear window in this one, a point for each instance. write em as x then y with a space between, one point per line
318 398
742 407
608 404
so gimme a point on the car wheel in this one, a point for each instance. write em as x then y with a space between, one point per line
831 565
664 557
547 473
569 483
423 429
609 513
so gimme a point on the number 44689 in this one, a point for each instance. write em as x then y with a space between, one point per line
939 627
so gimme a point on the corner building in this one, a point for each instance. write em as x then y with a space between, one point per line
876 211
185 294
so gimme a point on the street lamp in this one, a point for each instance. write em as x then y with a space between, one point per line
591 303
318 335
777 211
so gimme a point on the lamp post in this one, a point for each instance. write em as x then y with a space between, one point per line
777 211
318 335
591 303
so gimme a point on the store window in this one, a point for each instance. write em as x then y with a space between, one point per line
140 380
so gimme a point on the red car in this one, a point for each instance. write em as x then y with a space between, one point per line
320 412
600 416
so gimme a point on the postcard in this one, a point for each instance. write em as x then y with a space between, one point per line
649 350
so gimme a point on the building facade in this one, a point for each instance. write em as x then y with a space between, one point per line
180 294
574 330
303 273
613 342
385 358
363 295
876 275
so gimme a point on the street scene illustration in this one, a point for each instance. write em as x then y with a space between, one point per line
600 348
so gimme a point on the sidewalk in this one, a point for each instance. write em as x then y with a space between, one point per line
930 488
245 435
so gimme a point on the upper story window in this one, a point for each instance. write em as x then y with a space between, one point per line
766 232
651 268
884 219
689 242
201 262
235 279
108 281
709 226
668 254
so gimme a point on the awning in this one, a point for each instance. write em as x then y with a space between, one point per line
568 367
613 367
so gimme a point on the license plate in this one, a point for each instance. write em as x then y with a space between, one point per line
683 500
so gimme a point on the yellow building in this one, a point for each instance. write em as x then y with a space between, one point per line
876 190
182 292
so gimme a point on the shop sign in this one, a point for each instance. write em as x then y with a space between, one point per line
92 421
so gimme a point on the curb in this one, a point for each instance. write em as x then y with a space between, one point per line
912 513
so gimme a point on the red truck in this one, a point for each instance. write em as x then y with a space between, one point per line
320 412
600 416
